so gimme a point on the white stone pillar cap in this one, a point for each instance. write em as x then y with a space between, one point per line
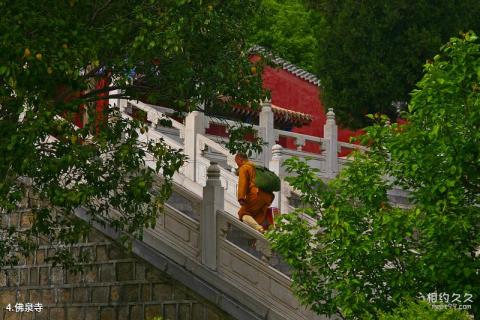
277 150
213 171
330 114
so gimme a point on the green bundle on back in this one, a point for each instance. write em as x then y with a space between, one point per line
266 180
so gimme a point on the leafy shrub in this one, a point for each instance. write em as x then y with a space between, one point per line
422 310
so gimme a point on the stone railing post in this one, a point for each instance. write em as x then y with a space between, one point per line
124 106
267 132
213 199
276 165
194 123
330 132
119 102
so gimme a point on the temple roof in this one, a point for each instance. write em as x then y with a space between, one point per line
280 115
286 65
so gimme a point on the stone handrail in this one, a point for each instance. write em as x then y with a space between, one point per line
203 142
227 221
352 146
194 130
179 231
152 134
201 149
196 228
300 138
154 114
302 154
251 276
231 123
256 277
174 223
249 286
194 186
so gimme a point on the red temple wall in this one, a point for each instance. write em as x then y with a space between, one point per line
291 92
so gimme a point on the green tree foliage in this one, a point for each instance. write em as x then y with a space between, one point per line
364 255
287 28
52 53
244 139
370 53
424 311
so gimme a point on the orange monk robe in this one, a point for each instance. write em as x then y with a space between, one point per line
257 201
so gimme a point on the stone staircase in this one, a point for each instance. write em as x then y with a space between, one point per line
199 235
198 238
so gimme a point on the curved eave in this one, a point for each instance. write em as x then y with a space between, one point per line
280 115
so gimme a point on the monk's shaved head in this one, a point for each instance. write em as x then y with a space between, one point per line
242 156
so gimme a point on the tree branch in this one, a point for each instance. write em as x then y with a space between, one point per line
103 7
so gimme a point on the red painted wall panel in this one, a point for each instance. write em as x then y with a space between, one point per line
291 92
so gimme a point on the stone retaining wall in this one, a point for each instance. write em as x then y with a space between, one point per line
116 285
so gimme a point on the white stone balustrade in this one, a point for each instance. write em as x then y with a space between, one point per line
198 240
201 149
196 122
255 277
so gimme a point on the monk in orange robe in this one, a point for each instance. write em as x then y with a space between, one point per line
253 201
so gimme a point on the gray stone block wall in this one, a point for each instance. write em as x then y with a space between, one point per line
116 285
